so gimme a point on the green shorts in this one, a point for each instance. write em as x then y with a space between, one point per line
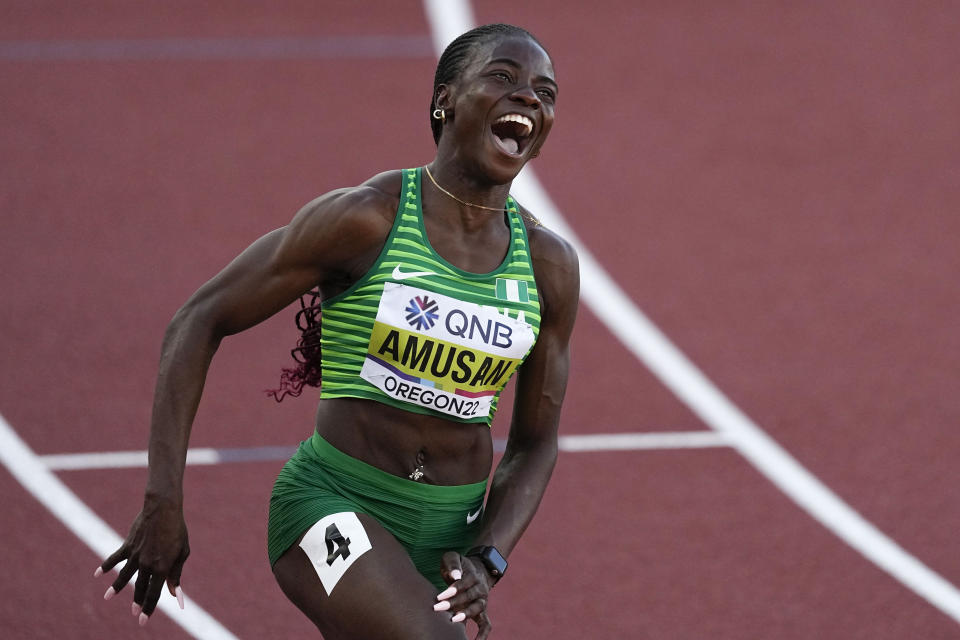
426 519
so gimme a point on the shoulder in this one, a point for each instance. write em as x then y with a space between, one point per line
347 220
545 242
549 251
556 267
376 198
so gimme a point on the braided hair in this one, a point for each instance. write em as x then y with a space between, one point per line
458 55
307 351
454 60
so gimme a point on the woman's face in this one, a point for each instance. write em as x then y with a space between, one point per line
503 106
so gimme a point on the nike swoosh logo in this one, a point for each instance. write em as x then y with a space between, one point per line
474 516
403 275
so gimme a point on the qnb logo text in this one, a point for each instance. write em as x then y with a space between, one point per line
473 327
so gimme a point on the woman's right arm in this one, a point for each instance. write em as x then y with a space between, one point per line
322 244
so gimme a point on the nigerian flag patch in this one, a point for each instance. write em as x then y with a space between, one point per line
512 290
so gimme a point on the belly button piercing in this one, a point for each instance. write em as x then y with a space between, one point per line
418 471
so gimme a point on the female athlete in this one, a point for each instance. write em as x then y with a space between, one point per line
436 286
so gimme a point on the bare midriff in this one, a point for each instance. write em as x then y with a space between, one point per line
398 441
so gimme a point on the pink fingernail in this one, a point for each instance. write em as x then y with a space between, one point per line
449 593
456 574
109 594
136 609
98 572
460 617
179 592
442 606
143 619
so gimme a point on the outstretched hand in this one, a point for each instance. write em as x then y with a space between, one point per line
466 597
155 549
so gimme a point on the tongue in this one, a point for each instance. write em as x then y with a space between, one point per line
509 144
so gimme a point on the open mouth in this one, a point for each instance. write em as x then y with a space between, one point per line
512 132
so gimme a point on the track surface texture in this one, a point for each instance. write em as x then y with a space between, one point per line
775 185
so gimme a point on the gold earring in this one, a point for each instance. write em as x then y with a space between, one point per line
440 114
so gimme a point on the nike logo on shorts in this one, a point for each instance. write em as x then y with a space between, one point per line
473 516
403 275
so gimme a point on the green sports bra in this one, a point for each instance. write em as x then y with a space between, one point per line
417 333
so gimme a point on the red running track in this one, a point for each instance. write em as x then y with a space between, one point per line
776 187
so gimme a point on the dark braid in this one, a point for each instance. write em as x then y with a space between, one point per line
459 54
306 353
454 60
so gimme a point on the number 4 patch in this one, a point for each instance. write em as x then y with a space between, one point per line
333 544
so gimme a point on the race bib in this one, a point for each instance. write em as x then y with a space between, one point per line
441 353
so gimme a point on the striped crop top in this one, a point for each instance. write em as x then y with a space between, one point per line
417 333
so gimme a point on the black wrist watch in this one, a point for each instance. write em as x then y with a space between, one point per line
493 561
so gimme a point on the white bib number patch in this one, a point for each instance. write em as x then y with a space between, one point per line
333 544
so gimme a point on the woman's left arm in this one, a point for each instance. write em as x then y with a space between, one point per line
531 453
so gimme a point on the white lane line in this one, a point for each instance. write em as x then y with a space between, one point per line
643 441
447 21
118 459
642 338
207 456
76 516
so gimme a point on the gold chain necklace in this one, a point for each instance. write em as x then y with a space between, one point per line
477 206
469 204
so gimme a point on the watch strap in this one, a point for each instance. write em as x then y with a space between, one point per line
493 561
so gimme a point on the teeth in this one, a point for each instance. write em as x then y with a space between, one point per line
516 117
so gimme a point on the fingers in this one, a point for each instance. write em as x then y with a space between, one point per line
173 578
450 567
476 606
147 590
469 585
156 550
484 626
444 596
123 577
111 562
173 583
140 592
152 595
466 597
175 591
